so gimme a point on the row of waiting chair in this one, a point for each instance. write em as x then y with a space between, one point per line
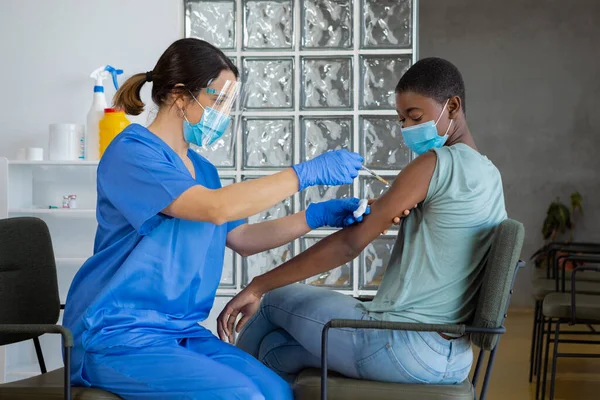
563 298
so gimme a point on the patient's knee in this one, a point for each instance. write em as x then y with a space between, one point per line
274 340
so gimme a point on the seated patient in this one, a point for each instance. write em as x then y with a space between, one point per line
434 272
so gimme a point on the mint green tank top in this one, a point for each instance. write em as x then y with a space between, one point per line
436 266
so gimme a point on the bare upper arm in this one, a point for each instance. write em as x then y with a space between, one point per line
408 189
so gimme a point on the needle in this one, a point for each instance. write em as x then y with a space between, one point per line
379 178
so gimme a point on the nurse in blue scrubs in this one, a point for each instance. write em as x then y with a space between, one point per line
136 305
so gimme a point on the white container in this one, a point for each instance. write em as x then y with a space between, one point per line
92 137
66 142
34 154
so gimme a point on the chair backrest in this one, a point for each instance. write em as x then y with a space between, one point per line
498 280
28 283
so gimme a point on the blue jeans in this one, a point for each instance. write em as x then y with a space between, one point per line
285 334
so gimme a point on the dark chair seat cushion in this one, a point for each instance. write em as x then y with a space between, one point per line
558 305
49 386
308 386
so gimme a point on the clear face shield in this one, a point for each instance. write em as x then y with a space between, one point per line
216 118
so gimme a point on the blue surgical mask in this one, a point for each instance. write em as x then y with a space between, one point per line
424 137
208 130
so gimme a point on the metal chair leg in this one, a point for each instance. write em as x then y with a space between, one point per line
488 373
538 358
478 368
67 377
554 360
540 345
533 339
40 355
542 377
324 352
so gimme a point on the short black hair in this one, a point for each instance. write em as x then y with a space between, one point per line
435 78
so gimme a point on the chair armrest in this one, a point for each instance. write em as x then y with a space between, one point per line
591 258
551 248
585 257
574 280
40 329
574 246
586 253
411 326
396 326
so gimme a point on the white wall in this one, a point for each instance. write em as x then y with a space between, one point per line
48 48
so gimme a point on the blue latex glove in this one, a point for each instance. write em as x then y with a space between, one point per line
335 213
333 168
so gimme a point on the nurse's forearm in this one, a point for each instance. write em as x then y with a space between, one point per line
330 252
236 201
251 239
409 188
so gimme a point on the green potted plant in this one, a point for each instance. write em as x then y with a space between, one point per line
559 226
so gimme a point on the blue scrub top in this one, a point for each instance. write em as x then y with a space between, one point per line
152 278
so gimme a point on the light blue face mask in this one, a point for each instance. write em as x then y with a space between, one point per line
209 129
423 137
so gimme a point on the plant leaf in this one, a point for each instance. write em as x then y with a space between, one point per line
564 218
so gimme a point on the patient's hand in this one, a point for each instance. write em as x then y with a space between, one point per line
396 220
246 302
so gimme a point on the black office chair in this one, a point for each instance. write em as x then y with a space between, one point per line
30 307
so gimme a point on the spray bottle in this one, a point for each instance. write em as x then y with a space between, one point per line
97 111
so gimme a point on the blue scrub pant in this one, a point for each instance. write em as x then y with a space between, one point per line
197 368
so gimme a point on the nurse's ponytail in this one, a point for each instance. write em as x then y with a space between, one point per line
128 96
188 65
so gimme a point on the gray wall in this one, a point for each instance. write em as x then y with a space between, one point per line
532 72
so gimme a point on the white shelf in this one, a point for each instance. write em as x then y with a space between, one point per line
49 163
22 374
62 212
22 371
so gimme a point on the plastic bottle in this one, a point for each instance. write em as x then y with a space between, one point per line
111 125
96 112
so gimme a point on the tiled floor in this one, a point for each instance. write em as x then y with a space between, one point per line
578 379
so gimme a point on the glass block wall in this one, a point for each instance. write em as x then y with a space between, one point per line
318 75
